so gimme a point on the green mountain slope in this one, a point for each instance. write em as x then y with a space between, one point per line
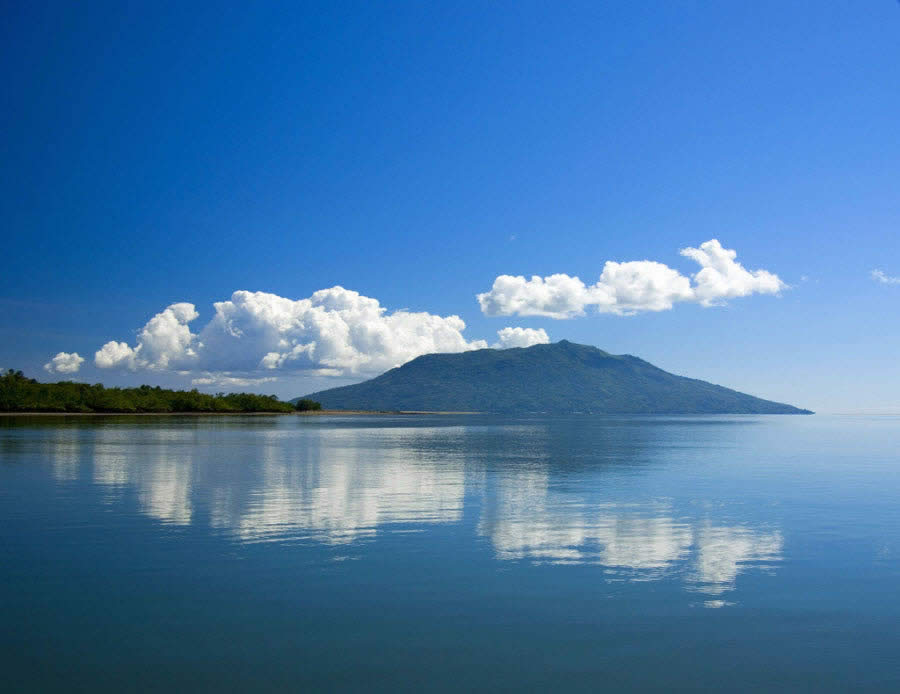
561 377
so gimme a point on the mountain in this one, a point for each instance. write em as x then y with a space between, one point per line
560 377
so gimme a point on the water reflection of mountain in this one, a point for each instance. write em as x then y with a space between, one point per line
538 488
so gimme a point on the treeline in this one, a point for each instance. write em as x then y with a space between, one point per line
21 394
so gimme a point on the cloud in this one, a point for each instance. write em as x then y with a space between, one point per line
114 354
722 277
630 287
64 363
226 380
165 340
335 328
334 332
520 337
880 276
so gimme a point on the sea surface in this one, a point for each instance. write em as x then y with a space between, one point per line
450 553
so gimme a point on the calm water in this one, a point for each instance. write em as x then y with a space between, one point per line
450 553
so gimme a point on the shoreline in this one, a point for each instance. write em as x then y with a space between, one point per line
309 413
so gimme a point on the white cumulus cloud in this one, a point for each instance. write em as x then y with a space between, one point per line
520 337
880 276
64 363
114 354
334 332
722 277
165 341
630 287
226 380
335 329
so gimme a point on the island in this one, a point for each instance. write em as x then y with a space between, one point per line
563 377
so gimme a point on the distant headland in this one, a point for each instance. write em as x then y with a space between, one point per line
555 378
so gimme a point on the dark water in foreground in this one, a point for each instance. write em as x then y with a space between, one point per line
450 553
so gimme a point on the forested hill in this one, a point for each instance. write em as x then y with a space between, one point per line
21 394
561 377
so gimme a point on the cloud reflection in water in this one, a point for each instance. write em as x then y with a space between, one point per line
640 542
342 485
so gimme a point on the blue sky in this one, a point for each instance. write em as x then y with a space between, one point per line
157 153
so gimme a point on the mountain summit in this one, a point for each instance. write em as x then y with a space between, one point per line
560 377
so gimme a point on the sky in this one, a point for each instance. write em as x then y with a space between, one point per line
284 197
